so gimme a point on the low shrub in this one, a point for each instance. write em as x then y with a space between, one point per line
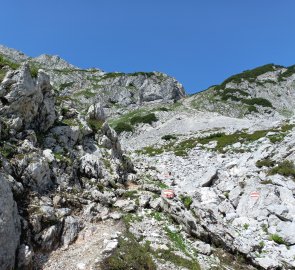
285 168
121 126
258 101
252 108
148 119
163 109
266 162
5 62
95 124
34 71
129 255
249 75
168 137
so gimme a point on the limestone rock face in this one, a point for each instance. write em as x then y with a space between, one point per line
9 226
96 111
27 100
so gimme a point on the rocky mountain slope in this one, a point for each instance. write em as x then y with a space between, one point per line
85 157
267 90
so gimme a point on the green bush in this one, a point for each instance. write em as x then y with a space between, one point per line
168 137
285 168
121 126
230 91
252 108
95 124
258 101
148 119
266 162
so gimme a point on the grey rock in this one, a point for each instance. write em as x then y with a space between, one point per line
144 200
10 229
25 256
90 166
70 230
126 205
110 245
96 111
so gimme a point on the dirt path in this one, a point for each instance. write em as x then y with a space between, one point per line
86 251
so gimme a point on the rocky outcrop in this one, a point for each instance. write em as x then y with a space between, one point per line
84 87
27 102
9 226
266 90
53 164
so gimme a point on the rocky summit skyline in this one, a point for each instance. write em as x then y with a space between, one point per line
88 158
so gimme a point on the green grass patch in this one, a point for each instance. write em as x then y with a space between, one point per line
95 124
147 118
163 109
131 218
176 238
131 194
246 226
187 201
276 138
289 72
7 150
157 216
151 151
120 127
6 62
278 239
2 74
266 162
287 127
34 71
61 157
65 85
169 255
285 168
87 93
266 182
129 255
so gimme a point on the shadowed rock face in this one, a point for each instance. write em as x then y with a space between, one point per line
9 226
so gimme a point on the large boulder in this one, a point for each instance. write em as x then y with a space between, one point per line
10 228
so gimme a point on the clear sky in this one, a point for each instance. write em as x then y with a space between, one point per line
199 42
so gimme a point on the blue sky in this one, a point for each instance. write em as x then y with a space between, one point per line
200 43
